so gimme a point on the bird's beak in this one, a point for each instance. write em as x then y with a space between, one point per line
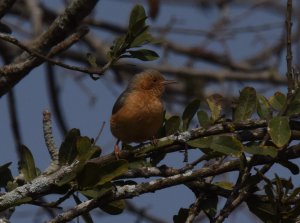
166 82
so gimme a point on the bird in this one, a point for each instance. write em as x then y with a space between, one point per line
138 112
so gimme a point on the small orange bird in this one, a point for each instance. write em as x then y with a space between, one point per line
138 112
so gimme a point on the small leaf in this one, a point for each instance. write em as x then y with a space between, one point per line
246 104
172 125
27 165
67 178
86 216
85 149
137 14
261 150
203 142
209 205
91 58
181 216
215 102
278 101
225 185
98 191
290 165
227 145
189 113
294 106
68 151
143 54
279 130
114 207
5 175
143 38
263 107
264 210
203 119
95 174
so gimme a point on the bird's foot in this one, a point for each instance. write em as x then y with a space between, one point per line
154 141
117 151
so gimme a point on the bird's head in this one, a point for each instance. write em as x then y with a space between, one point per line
151 81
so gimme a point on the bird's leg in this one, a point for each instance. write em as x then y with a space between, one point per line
154 141
117 150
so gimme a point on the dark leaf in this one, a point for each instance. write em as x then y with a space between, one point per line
189 113
85 149
291 166
215 104
264 210
181 216
203 142
227 145
261 150
278 101
294 106
203 119
68 151
98 191
27 165
209 205
279 130
95 174
5 175
246 104
114 207
143 54
137 14
172 125
91 58
143 38
263 107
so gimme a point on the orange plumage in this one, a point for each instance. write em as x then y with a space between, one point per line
138 112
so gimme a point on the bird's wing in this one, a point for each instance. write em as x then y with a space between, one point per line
120 101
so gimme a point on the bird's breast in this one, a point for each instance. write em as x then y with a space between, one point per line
139 119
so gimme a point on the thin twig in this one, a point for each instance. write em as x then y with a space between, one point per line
289 55
99 133
48 136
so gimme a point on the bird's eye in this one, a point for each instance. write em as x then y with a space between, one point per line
154 80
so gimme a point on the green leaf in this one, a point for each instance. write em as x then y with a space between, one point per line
263 107
278 101
279 130
5 174
172 125
203 142
227 145
143 38
246 104
261 150
215 102
225 185
91 58
114 207
137 14
203 119
209 205
27 165
95 174
68 151
143 54
85 149
290 165
67 178
264 210
98 191
86 216
189 113
294 106
181 216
